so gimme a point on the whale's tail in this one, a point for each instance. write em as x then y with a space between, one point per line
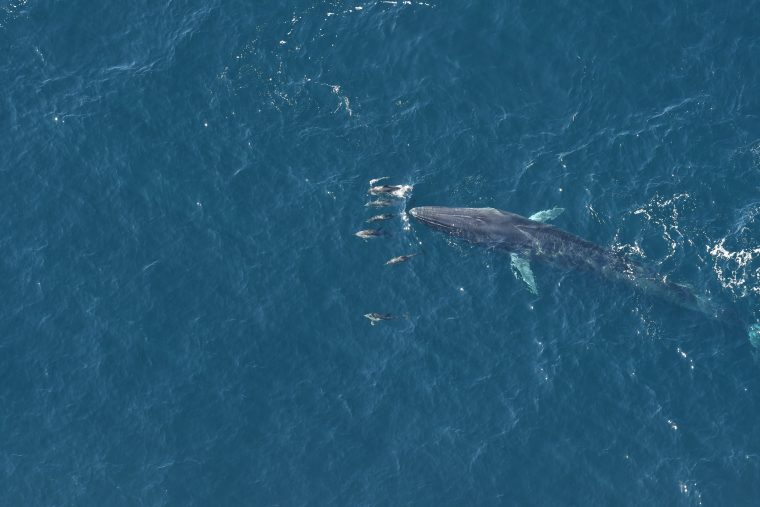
754 335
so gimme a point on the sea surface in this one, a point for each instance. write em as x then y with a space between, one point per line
183 294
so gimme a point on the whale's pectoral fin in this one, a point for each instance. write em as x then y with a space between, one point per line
546 215
522 270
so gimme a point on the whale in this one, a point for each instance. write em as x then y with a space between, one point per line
528 240
532 239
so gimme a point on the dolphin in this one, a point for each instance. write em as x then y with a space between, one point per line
378 203
380 218
374 317
400 191
369 233
530 239
400 259
384 189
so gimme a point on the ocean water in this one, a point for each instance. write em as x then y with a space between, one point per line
183 296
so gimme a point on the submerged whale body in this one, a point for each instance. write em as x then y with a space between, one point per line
529 239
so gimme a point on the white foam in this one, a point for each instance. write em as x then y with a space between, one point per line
732 268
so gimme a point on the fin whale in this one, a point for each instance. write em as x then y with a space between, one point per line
530 239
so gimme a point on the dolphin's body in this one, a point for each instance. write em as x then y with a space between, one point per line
527 240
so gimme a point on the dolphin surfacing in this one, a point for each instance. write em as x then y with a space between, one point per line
531 240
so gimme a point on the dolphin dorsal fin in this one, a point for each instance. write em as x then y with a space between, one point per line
546 215
522 271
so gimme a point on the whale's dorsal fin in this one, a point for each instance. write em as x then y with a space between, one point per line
546 215
522 270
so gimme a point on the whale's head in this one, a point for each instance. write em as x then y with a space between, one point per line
478 225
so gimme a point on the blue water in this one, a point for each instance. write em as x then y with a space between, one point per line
183 297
